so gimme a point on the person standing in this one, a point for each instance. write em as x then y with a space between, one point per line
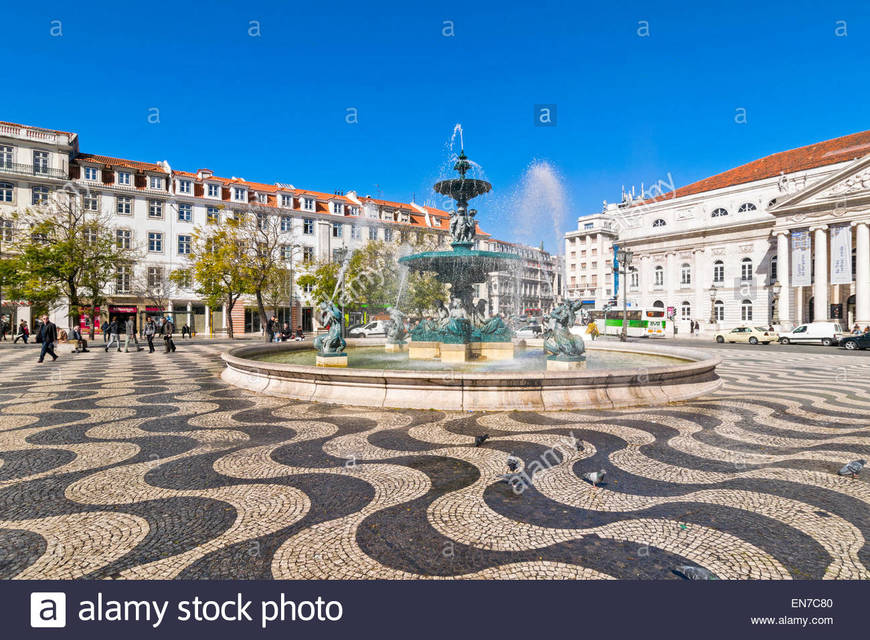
114 336
271 328
150 330
4 329
130 330
167 330
23 332
81 343
48 336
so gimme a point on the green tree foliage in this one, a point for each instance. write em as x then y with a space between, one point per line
423 290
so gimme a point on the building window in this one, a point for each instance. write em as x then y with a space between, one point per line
308 204
308 288
719 311
718 213
659 223
184 243
746 310
659 276
40 162
388 234
287 252
773 274
308 226
263 198
124 205
746 206
286 201
122 279
355 232
155 209
155 242
185 213
39 195
214 191
124 178
155 277
746 270
286 223
239 194
183 278
212 215
7 190
336 230
7 230
718 272
587 225
5 157
156 182
686 311
90 202
184 186
124 238
262 220
352 210
338 208
685 274
92 174
307 254
634 279
373 233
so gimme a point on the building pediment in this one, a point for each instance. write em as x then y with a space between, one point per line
834 196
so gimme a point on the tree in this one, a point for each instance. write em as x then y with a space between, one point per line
423 290
58 247
276 290
218 266
372 276
322 278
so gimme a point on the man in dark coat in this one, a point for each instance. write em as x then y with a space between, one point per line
167 331
48 336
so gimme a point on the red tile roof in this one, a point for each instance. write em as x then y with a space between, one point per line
812 156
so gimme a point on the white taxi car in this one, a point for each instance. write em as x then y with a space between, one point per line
752 335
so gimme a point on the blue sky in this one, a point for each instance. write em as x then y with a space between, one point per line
630 109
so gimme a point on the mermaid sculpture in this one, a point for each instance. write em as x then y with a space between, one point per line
331 341
560 343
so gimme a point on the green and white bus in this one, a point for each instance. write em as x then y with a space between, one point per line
648 322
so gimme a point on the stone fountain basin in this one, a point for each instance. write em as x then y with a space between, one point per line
491 391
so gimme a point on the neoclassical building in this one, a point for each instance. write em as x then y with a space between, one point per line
781 240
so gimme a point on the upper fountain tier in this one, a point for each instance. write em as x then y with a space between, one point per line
462 189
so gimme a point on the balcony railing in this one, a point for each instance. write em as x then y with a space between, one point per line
31 170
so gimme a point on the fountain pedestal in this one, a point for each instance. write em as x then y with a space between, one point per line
455 352
331 360
496 350
395 347
419 350
554 364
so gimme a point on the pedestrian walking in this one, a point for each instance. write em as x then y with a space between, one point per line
130 330
48 336
104 328
150 330
168 329
114 335
23 333
592 330
185 331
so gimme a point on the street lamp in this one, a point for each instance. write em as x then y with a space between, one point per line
713 291
624 256
776 289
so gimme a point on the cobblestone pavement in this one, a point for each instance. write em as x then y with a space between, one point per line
149 466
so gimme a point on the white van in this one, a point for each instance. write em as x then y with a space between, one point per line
826 333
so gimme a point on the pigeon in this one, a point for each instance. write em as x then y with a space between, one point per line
479 440
513 462
689 572
517 481
853 468
579 446
595 477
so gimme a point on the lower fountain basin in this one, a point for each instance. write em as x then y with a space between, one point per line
655 375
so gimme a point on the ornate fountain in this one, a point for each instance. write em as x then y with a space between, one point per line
461 331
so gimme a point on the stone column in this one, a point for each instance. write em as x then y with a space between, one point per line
698 273
207 320
783 275
862 273
820 283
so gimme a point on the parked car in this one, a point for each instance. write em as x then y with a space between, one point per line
826 333
859 341
372 329
752 335
529 331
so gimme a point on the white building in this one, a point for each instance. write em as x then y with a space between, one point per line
155 208
589 260
713 250
533 286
